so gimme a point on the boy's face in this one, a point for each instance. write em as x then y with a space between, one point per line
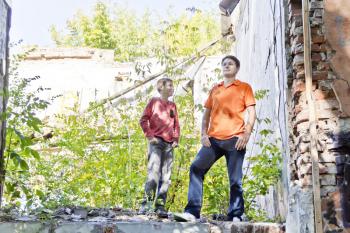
167 89
229 67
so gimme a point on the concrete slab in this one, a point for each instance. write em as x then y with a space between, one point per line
24 227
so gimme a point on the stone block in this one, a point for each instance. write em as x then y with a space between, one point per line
318 13
23 227
316 5
298 59
327 189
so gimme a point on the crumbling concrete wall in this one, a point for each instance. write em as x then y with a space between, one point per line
89 75
259 29
333 125
5 23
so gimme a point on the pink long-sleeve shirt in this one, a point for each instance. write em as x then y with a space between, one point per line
160 119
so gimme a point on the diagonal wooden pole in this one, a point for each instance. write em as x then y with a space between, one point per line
194 57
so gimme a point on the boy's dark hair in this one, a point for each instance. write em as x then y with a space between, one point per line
161 83
235 59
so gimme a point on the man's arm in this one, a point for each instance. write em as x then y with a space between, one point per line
243 140
205 124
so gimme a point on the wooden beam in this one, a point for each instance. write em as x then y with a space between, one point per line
312 119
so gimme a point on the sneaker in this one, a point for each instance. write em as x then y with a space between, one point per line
184 217
236 219
161 212
233 218
146 208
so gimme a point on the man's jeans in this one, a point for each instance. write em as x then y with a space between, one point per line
160 161
205 158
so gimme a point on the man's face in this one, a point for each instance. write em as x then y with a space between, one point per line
168 89
229 67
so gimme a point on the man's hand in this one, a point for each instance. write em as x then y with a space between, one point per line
153 140
242 141
175 144
205 141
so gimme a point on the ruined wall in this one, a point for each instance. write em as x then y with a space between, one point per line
259 30
5 23
333 126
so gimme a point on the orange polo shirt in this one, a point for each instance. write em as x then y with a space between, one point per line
227 106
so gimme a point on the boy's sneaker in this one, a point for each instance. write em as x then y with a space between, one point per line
161 212
184 217
146 208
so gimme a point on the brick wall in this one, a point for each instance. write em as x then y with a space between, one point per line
332 127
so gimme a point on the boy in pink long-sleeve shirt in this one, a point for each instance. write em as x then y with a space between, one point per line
160 124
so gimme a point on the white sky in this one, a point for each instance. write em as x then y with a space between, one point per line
31 19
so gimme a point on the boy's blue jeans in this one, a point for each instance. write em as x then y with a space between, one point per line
205 158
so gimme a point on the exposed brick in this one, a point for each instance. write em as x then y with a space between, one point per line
320 75
297 21
304 115
326 190
316 31
318 39
328 180
303 147
297 48
298 31
298 39
324 168
298 86
316 5
329 104
316 21
324 157
320 95
303 127
318 13
316 57
323 66
306 180
298 108
298 59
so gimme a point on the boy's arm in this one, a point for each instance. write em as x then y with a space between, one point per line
144 121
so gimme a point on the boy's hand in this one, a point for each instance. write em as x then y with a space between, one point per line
205 141
153 140
175 144
242 141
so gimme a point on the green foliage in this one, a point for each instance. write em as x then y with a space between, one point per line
22 126
133 37
99 157
264 168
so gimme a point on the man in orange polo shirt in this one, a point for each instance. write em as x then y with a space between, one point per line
224 133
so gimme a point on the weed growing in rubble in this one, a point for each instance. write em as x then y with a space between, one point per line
23 132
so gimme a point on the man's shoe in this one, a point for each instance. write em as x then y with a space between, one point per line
236 219
161 212
184 217
146 208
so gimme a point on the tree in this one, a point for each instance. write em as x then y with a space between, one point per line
133 37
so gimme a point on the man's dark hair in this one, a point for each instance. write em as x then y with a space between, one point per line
235 59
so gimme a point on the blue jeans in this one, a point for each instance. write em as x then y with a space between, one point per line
205 158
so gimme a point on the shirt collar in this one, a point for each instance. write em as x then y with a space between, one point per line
236 83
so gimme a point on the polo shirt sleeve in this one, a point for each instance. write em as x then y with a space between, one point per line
249 99
209 103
